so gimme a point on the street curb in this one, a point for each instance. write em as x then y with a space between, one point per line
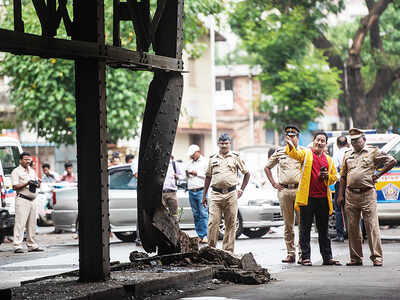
138 290
145 288
390 239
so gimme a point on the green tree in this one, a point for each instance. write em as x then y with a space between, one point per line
294 75
369 66
371 61
43 89
388 115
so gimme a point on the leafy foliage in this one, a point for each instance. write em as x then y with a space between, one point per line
390 35
388 115
276 32
301 93
43 90
294 75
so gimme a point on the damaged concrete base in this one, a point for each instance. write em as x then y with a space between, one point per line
227 267
146 276
126 283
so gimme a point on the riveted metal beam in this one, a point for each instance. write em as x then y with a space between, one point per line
93 206
30 44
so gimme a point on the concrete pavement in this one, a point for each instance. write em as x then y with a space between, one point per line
322 282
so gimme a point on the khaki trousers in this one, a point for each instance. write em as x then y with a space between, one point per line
25 217
364 203
287 197
170 202
222 205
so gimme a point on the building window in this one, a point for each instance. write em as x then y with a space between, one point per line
228 84
224 84
218 85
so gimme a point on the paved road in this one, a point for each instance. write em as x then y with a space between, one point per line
322 282
62 254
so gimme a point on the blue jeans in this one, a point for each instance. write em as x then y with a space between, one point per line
338 214
200 213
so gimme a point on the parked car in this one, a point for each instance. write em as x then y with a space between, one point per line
388 188
258 209
10 150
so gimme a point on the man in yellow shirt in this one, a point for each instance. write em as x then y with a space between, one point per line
313 196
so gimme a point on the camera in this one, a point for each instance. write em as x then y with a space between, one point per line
33 185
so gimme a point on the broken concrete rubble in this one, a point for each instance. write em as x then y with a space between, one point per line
227 267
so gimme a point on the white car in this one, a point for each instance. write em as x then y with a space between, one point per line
258 209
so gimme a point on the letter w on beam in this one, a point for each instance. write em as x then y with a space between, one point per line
140 16
50 17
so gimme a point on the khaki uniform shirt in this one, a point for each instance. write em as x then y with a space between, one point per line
358 167
289 169
21 175
223 170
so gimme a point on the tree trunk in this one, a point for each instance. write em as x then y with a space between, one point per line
364 115
363 104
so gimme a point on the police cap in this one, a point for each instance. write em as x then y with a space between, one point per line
355 133
291 130
224 137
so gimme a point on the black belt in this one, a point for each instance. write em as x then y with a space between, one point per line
360 190
196 190
290 186
224 191
169 191
25 197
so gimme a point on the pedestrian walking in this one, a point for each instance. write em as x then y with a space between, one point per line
169 197
358 176
26 184
196 174
222 175
313 196
288 182
343 146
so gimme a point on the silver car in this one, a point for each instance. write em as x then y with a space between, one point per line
258 209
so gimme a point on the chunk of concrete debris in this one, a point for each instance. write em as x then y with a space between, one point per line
248 263
136 255
218 256
243 277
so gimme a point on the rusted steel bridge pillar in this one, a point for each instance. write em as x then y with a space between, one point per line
157 230
91 132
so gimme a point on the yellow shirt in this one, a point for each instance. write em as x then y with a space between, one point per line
306 158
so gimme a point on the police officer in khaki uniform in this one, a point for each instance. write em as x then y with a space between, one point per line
22 178
222 174
358 177
288 182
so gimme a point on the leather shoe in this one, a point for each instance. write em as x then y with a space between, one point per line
36 250
289 259
18 250
354 263
377 263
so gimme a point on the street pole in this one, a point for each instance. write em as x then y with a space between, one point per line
251 112
37 148
213 106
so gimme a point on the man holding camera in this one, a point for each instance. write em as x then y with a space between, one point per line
26 184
